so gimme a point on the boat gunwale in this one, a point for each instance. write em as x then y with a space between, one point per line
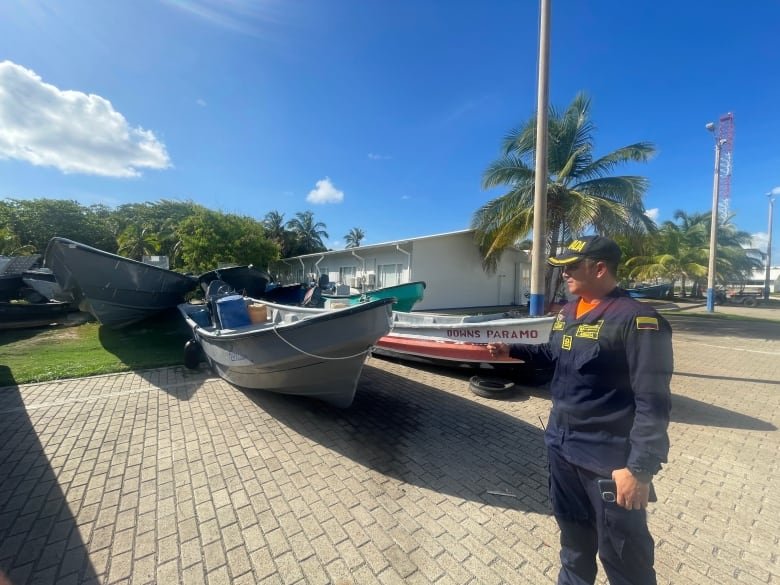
474 324
384 289
85 247
212 333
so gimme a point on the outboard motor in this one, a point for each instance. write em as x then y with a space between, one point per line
216 290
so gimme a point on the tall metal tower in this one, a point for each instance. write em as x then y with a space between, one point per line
726 139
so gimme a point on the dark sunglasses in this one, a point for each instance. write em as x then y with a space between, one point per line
573 267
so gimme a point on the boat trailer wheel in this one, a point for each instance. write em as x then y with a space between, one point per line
490 387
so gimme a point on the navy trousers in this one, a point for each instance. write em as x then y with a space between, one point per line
590 526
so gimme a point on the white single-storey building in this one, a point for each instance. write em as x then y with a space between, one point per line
758 278
450 264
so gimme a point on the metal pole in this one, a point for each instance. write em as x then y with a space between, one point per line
769 249
713 230
538 260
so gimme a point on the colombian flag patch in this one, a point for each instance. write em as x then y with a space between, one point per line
647 323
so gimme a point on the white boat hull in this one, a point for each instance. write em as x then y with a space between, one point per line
460 338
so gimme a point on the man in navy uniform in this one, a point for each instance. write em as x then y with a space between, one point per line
610 412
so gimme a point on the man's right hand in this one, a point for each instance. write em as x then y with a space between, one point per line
498 350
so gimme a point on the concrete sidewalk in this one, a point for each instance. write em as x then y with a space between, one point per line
170 476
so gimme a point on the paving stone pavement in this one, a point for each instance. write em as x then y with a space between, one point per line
172 476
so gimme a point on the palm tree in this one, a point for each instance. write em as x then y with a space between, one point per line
581 193
135 242
354 237
732 262
308 233
273 222
681 251
275 230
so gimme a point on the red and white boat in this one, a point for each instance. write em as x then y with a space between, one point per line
459 338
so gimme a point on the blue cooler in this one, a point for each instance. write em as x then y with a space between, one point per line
232 312
202 317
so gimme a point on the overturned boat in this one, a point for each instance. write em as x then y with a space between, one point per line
43 282
247 279
11 270
116 290
285 349
21 314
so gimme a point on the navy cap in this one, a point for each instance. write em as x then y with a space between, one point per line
593 247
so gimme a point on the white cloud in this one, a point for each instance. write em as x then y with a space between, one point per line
69 130
248 17
373 156
325 192
652 213
201 102
759 241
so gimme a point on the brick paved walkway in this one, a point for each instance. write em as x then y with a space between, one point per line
170 476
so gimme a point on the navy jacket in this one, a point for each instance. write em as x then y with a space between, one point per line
610 389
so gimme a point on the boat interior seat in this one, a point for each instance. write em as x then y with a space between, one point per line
284 317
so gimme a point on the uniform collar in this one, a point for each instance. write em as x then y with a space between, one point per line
596 313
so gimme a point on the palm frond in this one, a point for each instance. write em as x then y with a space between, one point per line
639 152
521 141
625 189
509 170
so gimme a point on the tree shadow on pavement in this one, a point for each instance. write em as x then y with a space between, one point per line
418 434
154 350
40 541
730 378
695 412
716 326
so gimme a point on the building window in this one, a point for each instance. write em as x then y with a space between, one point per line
388 274
347 275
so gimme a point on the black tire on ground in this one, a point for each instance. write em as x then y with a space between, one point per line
750 302
491 387
193 354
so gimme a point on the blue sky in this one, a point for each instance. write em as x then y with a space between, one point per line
375 114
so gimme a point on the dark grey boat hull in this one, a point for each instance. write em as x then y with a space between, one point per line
117 291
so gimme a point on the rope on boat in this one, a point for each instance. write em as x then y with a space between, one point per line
319 357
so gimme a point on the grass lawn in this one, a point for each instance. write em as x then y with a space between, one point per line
42 354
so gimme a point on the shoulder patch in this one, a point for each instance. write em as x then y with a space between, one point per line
647 323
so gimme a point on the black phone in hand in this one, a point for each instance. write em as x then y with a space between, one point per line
608 490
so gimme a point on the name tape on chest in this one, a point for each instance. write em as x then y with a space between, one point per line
647 323
589 331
